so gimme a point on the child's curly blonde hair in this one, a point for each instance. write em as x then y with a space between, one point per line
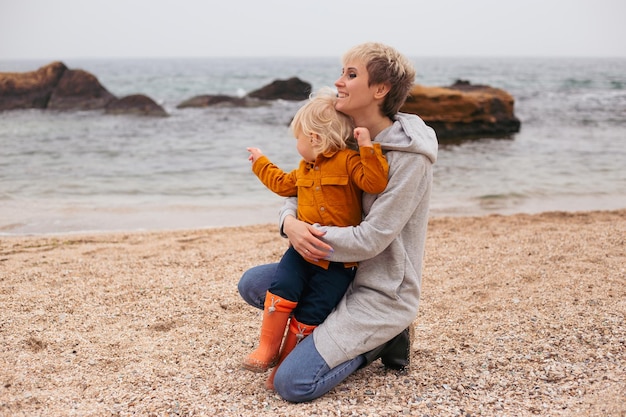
318 116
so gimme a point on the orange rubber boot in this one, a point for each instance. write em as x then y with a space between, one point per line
297 332
275 316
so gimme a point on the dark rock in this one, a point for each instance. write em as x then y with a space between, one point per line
79 90
220 101
293 89
464 110
136 104
29 90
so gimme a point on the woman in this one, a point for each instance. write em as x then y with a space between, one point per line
371 319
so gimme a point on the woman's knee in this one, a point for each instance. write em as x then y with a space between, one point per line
305 376
254 283
291 387
244 288
298 377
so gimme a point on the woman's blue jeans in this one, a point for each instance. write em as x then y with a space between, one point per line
303 375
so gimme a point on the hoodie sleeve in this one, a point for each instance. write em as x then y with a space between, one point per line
289 208
409 181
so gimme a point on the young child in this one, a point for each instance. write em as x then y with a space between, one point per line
329 183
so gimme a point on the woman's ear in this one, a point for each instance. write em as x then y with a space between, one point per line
381 90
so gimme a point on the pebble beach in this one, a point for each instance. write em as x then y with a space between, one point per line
521 315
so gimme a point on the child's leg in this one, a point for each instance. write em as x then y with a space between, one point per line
324 291
296 333
275 316
292 274
280 300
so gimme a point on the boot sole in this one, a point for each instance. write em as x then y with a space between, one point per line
258 368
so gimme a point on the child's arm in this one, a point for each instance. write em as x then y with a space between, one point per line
255 153
370 171
362 136
281 182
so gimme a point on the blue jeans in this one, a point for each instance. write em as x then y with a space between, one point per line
316 290
303 375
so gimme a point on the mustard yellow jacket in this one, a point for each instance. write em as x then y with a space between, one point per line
329 190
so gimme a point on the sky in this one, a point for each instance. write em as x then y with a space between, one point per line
64 29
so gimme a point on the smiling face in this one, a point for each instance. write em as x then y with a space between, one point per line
354 94
390 76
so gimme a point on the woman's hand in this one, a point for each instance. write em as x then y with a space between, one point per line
305 239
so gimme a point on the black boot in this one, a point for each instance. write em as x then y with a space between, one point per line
394 354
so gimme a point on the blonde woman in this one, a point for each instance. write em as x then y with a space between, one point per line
374 317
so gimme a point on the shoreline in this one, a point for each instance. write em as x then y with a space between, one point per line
50 219
521 315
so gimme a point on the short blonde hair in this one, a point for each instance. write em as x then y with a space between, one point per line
318 116
385 65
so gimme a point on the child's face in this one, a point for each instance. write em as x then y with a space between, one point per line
305 146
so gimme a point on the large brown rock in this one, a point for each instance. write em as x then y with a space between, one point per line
293 89
464 110
79 90
29 90
56 87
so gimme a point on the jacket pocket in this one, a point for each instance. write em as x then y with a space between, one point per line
337 191
305 192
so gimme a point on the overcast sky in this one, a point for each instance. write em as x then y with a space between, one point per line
62 29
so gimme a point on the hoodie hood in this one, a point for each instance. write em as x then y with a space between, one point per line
409 133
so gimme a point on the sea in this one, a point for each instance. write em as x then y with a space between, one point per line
78 172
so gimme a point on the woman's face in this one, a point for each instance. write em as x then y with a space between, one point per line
354 95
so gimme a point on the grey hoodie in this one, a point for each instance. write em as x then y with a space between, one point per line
389 245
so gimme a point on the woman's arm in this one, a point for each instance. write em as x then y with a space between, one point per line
289 209
304 237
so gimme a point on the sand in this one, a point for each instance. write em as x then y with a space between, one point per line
521 315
